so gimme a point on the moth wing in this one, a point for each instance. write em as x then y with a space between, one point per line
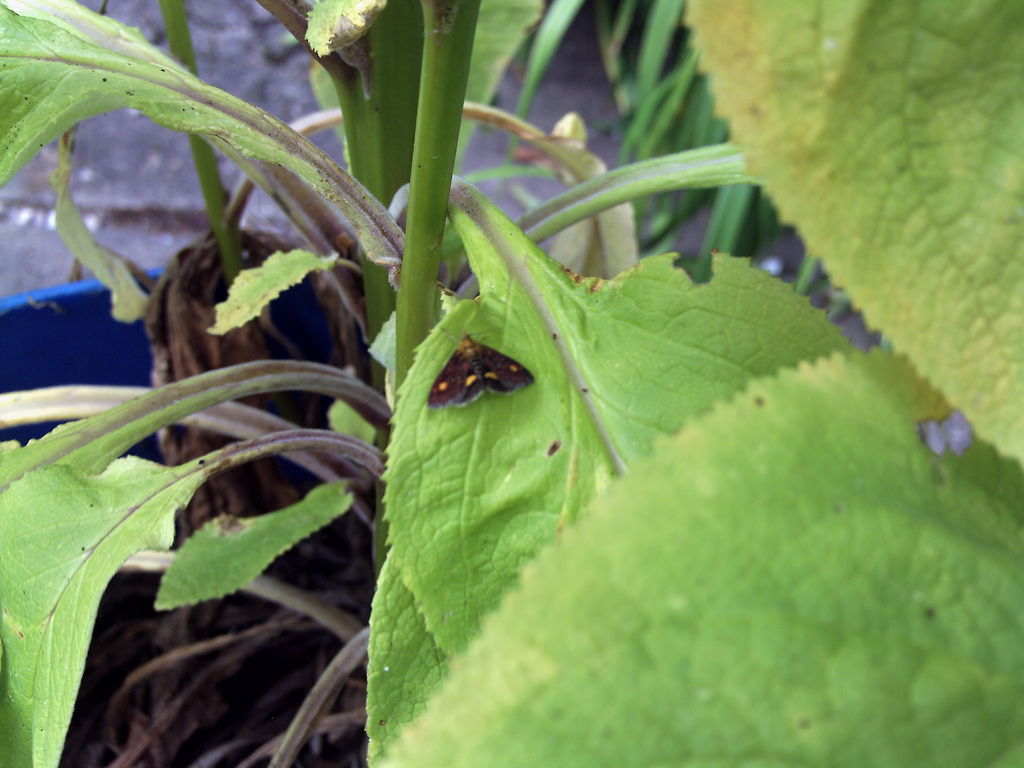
451 388
502 373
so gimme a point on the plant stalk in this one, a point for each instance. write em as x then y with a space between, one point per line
449 28
380 129
226 233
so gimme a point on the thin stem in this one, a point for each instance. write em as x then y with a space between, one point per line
449 28
380 128
343 625
319 699
227 234
714 166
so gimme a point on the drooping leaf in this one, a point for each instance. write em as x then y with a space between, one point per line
892 135
794 579
127 299
92 443
55 76
253 289
227 553
56 558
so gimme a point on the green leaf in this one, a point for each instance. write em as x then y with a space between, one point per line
343 418
253 289
406 666
615 364
55 561
545 42
892 134
383 347
53 77
127 299
792 580
501 27
228 552
336 24
80 21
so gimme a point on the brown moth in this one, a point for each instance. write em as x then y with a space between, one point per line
472 368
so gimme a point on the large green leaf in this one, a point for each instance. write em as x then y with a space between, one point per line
892 134
475 492
63 535
616 362
53 76
792 580
406 666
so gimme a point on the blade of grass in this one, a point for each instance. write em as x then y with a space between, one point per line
663 23
728 214
681 81
806 274
549 36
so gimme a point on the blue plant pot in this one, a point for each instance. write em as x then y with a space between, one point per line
65 335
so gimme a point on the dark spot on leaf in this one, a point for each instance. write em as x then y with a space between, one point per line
803 723
201 462
929 612
553 335
838 509
759 401
228 524
584 390
382 723
553 448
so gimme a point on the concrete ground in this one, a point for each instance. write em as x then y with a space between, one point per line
134 181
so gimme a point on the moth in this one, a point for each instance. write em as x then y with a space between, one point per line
472 368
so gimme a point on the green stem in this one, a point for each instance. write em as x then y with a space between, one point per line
228 236
380 130
714 166
379 133
449 26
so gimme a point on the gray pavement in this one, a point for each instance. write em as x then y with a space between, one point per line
134 182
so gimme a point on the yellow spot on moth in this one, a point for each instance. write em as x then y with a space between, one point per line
470 379
442 386
514 368
491 375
